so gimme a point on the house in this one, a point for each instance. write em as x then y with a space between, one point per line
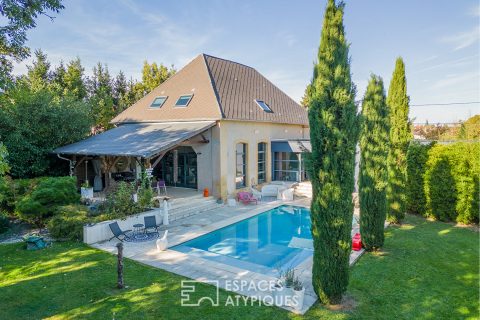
215 124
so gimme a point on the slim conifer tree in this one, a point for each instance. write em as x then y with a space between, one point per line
333 133
400 136
374 139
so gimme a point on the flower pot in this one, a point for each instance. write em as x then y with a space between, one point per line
86 193
297 301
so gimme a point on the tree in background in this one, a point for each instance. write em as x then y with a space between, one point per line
333 134
32 109
33 123
4 167
373 167
101 98
19 16
152 76
400 136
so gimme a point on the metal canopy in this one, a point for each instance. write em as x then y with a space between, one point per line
297 146
136 139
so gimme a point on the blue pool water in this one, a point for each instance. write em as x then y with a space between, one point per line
267 243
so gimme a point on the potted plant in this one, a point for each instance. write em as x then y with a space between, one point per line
298 294
86 191
288 280
283 289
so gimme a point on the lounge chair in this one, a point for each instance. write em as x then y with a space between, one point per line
150 223
246 197
257 194
117 232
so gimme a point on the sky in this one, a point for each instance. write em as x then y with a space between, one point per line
438 40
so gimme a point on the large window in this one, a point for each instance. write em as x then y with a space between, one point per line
286 166
241 165
262 161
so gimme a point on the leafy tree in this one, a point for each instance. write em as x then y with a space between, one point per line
470 129
19 16
153 75
400 136
4 167
29 127
373 168
333 133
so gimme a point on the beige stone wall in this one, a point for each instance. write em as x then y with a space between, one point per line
251 133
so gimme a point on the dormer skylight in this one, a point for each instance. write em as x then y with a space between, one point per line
158 102
263 106
184 100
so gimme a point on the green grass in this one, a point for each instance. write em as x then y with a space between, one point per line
428 270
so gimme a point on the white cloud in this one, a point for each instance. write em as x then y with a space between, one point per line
475 11
464 39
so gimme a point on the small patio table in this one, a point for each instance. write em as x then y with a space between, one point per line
137 229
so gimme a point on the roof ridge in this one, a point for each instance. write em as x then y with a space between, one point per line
218 58
214 85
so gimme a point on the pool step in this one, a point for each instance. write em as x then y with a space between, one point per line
304 189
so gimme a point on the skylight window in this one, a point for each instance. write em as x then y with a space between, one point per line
263 106
183 101
158 102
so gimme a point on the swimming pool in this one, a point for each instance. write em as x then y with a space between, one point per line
267 243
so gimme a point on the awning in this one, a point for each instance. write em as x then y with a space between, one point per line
136 139
297 146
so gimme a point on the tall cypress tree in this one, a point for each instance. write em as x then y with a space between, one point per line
374 139
400 136
333 133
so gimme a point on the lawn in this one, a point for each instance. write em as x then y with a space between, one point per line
428 270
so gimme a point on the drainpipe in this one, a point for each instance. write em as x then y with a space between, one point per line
71 163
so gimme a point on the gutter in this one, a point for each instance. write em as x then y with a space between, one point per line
72 163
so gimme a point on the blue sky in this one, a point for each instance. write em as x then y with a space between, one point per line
439 40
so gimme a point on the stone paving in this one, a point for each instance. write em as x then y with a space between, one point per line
209 271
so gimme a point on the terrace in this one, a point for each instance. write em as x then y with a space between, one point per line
209 271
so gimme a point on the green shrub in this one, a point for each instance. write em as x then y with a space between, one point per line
452 182
67 224
4 222
12 191
145 198
119 204
417 156
49 194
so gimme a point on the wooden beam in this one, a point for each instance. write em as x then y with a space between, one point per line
160 157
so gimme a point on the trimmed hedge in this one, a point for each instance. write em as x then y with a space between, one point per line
417 156
450 178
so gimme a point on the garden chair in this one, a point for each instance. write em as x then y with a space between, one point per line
161 186
117 232
246 197
150 223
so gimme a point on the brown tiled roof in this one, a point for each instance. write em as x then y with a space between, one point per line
222 89
237 87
